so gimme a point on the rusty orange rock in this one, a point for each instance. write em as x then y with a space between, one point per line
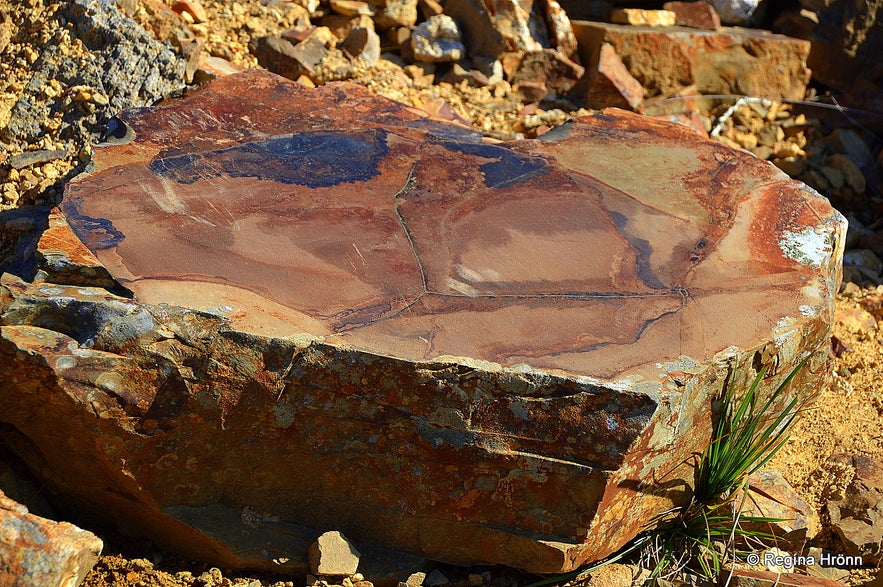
350 315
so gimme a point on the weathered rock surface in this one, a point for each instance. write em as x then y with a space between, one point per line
125 66
727 61
377 323
37 551
699 15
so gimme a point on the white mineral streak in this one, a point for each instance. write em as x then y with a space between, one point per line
810 246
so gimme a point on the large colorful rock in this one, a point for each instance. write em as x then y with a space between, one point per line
348 316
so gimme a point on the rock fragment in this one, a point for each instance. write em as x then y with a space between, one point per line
29 158
395 13
362 44
735 12
437 40
700 15
769 495
857 516
608 83
37 551
332 555
640 17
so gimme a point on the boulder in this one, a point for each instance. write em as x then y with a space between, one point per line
347 314
37 551
727 61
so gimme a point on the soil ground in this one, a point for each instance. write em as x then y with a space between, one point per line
845 418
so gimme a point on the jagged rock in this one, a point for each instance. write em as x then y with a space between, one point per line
769 495
437 40
362 44
608 83
700 15
349 315
548 70
37 551
123 63
332 555
728 61
857 518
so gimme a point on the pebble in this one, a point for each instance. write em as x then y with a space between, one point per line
22 160
437 40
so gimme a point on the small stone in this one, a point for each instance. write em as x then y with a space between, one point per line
394 13
474 580
609 83
351 7
416 580
700 15
548 68
793 166
362 44
332 555
435 578
735 12
437 40
746 139
770 495
192 8
429 8
834 176
640 17
788 149
616 575
22 160
851 174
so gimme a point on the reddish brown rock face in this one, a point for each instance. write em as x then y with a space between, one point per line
494 353
420 244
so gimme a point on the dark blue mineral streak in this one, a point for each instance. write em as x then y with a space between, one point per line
505 167
312 159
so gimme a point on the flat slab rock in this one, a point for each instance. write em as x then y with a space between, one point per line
349 316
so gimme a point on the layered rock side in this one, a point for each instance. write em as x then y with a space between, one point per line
536 414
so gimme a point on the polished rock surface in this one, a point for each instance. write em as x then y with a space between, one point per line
348 316
377 230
